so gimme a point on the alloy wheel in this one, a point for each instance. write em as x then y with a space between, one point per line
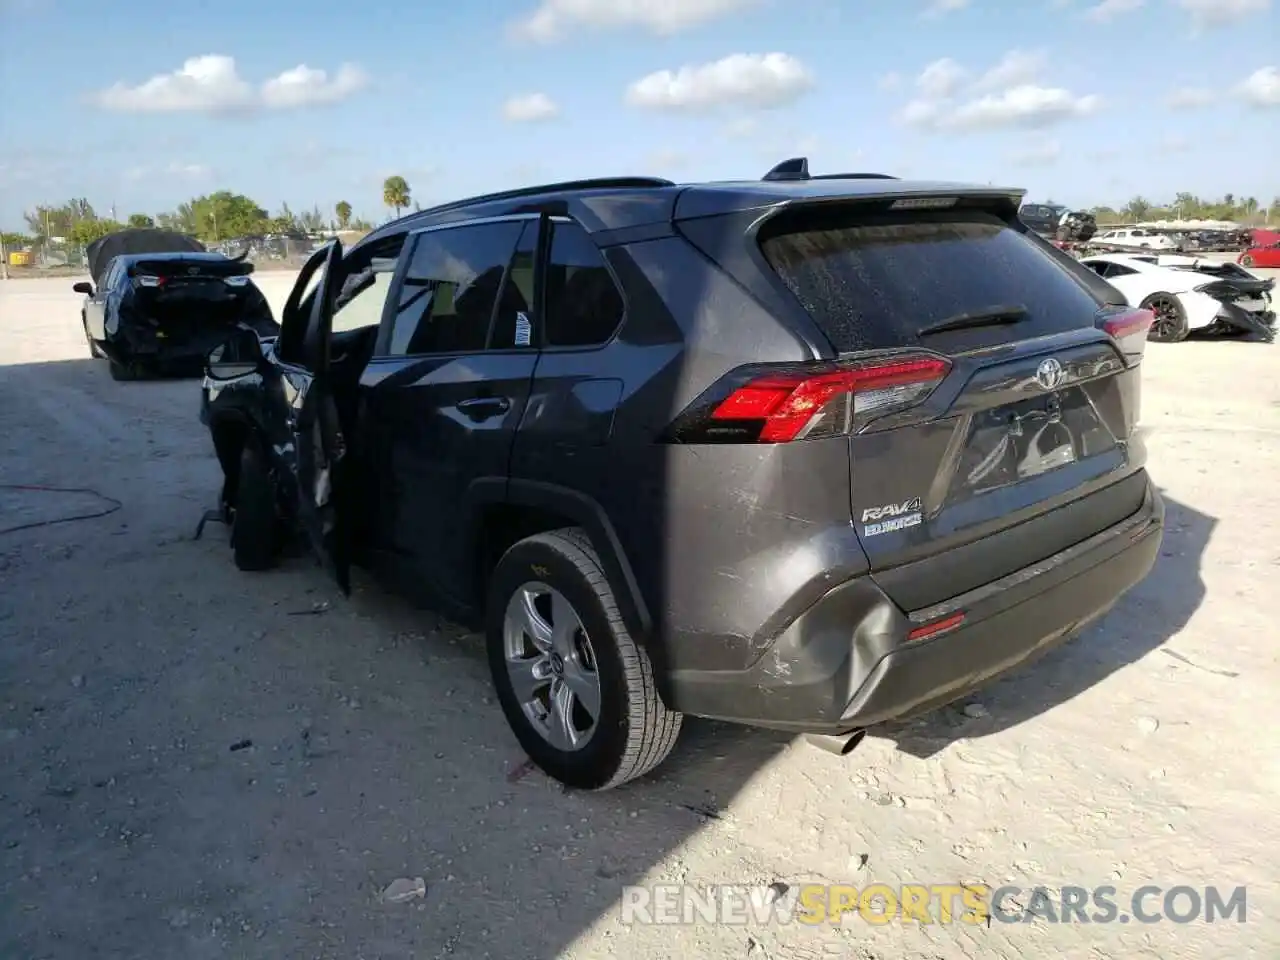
1166 323
552 666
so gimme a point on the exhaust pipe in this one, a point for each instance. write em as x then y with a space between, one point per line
841 744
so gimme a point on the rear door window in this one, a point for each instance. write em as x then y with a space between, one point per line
583 305
451 287
872 282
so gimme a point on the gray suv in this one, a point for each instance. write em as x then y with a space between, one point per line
810 453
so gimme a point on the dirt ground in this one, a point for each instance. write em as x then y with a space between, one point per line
200 763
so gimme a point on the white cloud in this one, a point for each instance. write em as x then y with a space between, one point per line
1190 98
940 8
743 79
212 84
1206 14
1024 106
921 113
1108 10
1027 106
1042 154
950 97
941 79
1261 88
1017 67
530 108
305 86
553 18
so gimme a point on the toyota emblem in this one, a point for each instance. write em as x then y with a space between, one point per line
1050 374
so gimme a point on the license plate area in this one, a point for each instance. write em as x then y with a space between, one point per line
1018 441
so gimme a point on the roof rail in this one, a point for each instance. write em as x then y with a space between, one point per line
797 168
854 176
598 183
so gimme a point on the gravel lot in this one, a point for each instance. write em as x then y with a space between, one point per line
135 660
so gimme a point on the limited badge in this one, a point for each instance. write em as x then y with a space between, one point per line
524 330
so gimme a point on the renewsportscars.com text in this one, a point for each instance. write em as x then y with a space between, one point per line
972 904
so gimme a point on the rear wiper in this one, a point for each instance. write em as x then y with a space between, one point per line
1009 313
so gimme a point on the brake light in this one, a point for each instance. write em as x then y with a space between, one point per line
147 280
796 403
1128 327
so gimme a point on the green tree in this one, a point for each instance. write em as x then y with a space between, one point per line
311 221
395 193
85 232
1139 208
343 210
221 216
141 221
46 222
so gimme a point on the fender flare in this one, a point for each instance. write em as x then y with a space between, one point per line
584 512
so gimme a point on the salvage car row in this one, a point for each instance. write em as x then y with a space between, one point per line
705 449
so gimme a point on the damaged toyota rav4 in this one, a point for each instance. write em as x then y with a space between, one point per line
809 453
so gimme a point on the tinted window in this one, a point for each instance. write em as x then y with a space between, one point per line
450 289
583 305
874 281
512 321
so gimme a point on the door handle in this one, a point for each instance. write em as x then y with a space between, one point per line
479 408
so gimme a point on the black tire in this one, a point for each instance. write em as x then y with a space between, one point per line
1246 261
1171 319
254 524
635 731
121 372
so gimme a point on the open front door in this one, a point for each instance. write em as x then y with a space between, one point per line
319 444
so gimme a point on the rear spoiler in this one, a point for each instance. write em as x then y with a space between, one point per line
182 267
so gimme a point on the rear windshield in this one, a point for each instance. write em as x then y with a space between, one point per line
873 282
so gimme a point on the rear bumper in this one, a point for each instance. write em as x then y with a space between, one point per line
846 664
136 344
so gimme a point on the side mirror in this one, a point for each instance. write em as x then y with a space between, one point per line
238 357
83 287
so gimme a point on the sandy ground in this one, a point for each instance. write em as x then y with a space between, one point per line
133 659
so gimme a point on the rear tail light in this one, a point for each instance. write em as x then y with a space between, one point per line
147 280
805 402
1128 327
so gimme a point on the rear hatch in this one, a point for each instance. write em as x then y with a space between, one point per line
989 387
194 299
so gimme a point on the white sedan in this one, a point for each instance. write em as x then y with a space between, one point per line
1187 294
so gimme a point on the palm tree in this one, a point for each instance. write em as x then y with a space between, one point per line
395 193
343 210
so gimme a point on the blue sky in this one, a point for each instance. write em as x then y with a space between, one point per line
1080 101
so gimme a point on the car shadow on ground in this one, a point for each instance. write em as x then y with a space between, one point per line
1144 620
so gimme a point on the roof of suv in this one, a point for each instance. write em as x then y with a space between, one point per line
624 202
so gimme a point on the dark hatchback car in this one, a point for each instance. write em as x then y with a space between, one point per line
807 453
159 302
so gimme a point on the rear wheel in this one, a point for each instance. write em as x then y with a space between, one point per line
1246 261
577 690
1170 325
254 525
